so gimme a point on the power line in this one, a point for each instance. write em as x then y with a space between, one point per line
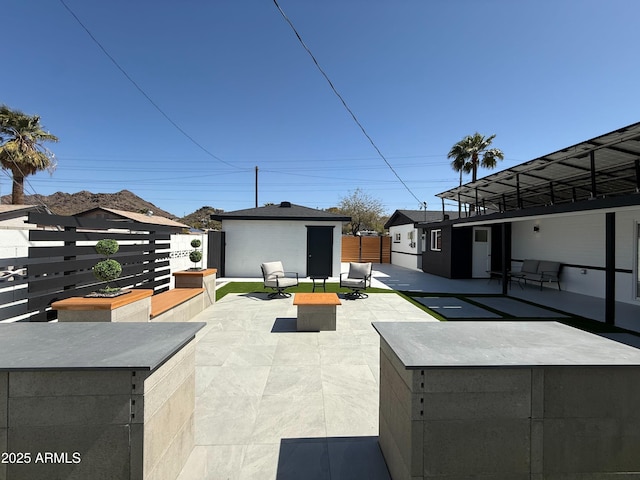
344 103
144 94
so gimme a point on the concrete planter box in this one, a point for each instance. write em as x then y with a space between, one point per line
316 311
113 401
199 279
517 400
131 307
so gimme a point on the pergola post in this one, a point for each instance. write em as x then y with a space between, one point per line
610 269
592 159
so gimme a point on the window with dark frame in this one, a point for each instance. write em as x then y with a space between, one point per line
436 240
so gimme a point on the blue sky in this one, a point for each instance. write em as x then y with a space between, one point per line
418 74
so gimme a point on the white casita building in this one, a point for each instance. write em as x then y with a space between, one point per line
305 240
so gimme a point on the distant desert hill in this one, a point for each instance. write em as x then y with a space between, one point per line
71 203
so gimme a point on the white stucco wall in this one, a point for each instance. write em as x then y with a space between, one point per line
14 244
180 250
579 239
406 252
252 242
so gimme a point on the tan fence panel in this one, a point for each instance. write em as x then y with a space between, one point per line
386 249
366 249
370 249
350 249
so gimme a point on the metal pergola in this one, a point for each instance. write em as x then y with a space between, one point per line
605 166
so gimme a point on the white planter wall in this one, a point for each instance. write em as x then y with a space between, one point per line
250 243
579 239
180 250
405 253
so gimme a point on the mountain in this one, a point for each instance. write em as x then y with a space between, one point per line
201 218
71 203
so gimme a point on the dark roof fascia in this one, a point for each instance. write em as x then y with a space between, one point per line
582 206
398 218
21 212
406 217
221 218
121 218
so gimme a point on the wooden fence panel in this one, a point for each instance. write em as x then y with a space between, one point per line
350 249
366 249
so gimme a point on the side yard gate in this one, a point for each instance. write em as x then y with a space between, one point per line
366 249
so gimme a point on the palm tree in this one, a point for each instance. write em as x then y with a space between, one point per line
467 155
473 151
21 149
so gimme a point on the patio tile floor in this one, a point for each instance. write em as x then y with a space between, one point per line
272 402
275 403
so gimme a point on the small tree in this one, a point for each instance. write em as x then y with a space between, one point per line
196 255
365 211
108 269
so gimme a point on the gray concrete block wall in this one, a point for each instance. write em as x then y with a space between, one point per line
137 311
4 399
401 435
314 318
68 412
122 424
591 420
183 312
209 290
169 405
551 423
207 282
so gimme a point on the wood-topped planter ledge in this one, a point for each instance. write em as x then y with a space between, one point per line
199 279
135 306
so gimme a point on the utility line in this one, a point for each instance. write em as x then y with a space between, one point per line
144 94
344 103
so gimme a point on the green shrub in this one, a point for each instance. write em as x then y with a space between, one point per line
195 243
107 247
107 270
195 256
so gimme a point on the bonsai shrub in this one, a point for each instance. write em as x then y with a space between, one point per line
196 255
107 270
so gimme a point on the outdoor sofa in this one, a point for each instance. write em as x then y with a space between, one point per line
539 271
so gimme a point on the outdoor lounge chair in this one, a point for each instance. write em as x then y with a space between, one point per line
275 277
356 279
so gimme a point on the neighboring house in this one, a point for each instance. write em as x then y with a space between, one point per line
407 241
14 230
306 240
125 216
579 206
16 216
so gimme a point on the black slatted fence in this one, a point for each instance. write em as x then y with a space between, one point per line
60 265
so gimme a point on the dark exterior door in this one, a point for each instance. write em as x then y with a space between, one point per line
319 251
215 253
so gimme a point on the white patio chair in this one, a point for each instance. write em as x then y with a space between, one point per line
275 277
356 279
